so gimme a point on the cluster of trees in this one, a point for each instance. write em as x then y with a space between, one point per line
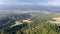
9 20
37 26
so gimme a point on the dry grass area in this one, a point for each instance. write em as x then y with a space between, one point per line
16 23
27 20
57 20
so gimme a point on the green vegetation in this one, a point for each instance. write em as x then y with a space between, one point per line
37 26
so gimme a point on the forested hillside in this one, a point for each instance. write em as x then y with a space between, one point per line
36 26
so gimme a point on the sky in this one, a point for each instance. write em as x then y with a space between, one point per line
30 2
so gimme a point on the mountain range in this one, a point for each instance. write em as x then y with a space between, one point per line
29 7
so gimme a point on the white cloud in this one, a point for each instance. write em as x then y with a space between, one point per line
7 2
52 2
25 3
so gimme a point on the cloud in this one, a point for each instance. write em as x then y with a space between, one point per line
32 2
54 2
48 3
7 1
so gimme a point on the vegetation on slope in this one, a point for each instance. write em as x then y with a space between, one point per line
37 26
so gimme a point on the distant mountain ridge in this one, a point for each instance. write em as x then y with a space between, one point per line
29 7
